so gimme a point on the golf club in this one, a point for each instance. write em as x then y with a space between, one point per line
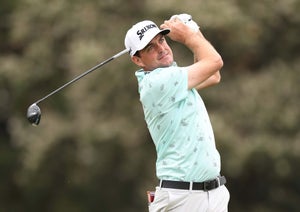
34 112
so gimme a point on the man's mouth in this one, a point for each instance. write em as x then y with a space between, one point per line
163 55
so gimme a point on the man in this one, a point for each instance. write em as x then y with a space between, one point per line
188 163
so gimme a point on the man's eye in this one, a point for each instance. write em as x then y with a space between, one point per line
149 48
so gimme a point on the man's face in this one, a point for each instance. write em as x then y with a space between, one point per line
155 55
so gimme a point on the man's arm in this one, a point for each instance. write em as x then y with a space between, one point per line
213 80
204 72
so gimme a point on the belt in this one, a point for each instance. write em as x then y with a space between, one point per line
205 186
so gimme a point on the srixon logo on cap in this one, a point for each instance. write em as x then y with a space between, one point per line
141 32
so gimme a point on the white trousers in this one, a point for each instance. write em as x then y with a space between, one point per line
176 200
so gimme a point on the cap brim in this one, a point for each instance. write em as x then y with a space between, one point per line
165 31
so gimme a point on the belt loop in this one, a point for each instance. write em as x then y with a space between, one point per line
160 183
218 180
191 186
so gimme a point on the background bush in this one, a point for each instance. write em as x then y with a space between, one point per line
92 150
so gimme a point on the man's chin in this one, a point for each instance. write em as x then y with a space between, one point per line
161 65
170 63
167 62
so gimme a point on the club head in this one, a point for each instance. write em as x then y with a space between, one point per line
34 114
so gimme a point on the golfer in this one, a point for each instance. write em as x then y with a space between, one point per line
188 163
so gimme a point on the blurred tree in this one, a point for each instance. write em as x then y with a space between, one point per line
92 151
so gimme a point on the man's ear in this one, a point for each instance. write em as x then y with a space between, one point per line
137 60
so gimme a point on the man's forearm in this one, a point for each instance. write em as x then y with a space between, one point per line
213 80
201 47
208 60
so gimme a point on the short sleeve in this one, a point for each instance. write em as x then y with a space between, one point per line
164 88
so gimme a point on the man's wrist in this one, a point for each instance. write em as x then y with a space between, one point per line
194 40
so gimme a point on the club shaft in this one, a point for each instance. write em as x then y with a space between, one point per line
83 74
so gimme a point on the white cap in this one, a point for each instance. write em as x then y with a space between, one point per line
140 34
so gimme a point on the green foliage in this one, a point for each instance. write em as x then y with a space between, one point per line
92 151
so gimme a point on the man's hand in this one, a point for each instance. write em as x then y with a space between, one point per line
179 31
187 20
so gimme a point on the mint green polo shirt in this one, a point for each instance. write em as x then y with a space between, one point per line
179 126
